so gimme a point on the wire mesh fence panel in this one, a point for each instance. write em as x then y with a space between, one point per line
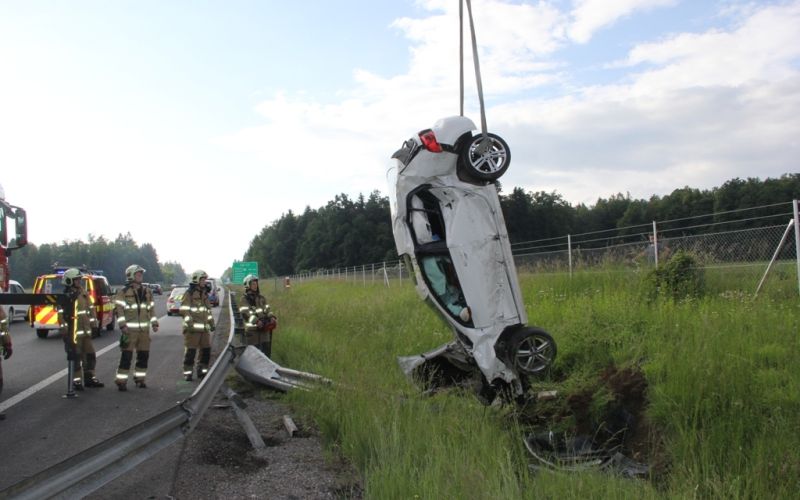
736 238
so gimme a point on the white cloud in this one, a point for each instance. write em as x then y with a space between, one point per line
588 16
701 108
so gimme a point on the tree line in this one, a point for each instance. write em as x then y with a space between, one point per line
348 232
109 256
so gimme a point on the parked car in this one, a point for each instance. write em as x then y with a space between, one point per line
449 227
44 319
14 312
174 300
213 292
156 288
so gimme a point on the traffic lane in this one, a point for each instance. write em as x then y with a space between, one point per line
35 360
47 428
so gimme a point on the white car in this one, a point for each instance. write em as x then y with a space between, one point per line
15 312
448 226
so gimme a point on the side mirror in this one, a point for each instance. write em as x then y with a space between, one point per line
21 228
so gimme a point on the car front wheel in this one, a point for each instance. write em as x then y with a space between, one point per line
531 350
485 160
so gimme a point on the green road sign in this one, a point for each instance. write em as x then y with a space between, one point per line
242 269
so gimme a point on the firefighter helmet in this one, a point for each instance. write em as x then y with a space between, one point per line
71 276
198 275
131 271
248 279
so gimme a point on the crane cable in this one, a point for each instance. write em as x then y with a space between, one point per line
484 145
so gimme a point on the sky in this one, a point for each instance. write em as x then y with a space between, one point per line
192 125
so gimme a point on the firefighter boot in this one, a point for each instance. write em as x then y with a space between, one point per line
93 382
122 386
140 383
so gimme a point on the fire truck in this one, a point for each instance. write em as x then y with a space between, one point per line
8 212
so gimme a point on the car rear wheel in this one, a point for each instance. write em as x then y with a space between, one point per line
531 350
110 326
485 162
41 333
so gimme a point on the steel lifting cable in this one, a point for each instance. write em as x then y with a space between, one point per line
485 142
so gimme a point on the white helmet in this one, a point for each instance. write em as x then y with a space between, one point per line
248 279
71 276
131 270
198 275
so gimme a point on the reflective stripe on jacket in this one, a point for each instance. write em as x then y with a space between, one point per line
136 308
84 316
196 311
253 307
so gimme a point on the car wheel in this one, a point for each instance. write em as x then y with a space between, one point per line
41 333
485 163
110 326
531 350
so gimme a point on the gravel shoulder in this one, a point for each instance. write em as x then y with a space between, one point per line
216 460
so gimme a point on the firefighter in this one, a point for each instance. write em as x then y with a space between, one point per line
5 348
259 321
136 313
198 323
76 330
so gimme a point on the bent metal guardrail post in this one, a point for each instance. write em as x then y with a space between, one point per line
90 469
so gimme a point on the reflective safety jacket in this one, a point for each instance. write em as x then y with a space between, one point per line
136 308
196 311
254 307
83 319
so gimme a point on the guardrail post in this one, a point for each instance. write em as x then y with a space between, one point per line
796 212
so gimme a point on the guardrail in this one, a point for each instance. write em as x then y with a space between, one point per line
90 469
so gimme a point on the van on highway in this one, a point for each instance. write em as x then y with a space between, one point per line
44 319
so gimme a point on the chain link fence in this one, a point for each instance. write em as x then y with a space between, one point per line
737 238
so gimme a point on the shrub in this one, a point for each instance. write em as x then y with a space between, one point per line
679 278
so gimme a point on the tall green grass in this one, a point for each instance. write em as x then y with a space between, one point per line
724 387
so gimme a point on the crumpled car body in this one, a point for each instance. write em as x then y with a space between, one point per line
448 225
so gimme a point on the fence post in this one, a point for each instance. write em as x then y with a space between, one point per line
385 276
797 239
373 273
655 243
569 253
400 270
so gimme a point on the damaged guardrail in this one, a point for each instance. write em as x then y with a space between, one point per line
256 367
90 469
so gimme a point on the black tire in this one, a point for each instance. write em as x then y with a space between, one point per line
489 165
42 333
110 326
531 351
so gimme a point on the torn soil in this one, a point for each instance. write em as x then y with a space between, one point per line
609 412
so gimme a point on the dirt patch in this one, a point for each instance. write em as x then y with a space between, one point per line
610 412
219 462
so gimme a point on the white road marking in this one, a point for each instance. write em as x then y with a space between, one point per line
30 391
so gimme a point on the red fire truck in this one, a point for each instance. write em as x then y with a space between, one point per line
8 212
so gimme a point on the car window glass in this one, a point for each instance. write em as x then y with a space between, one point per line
52 285
17 289
441 276
426 221
100 286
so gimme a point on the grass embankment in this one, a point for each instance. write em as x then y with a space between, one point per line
723 391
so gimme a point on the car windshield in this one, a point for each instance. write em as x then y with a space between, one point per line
178 291
101 286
